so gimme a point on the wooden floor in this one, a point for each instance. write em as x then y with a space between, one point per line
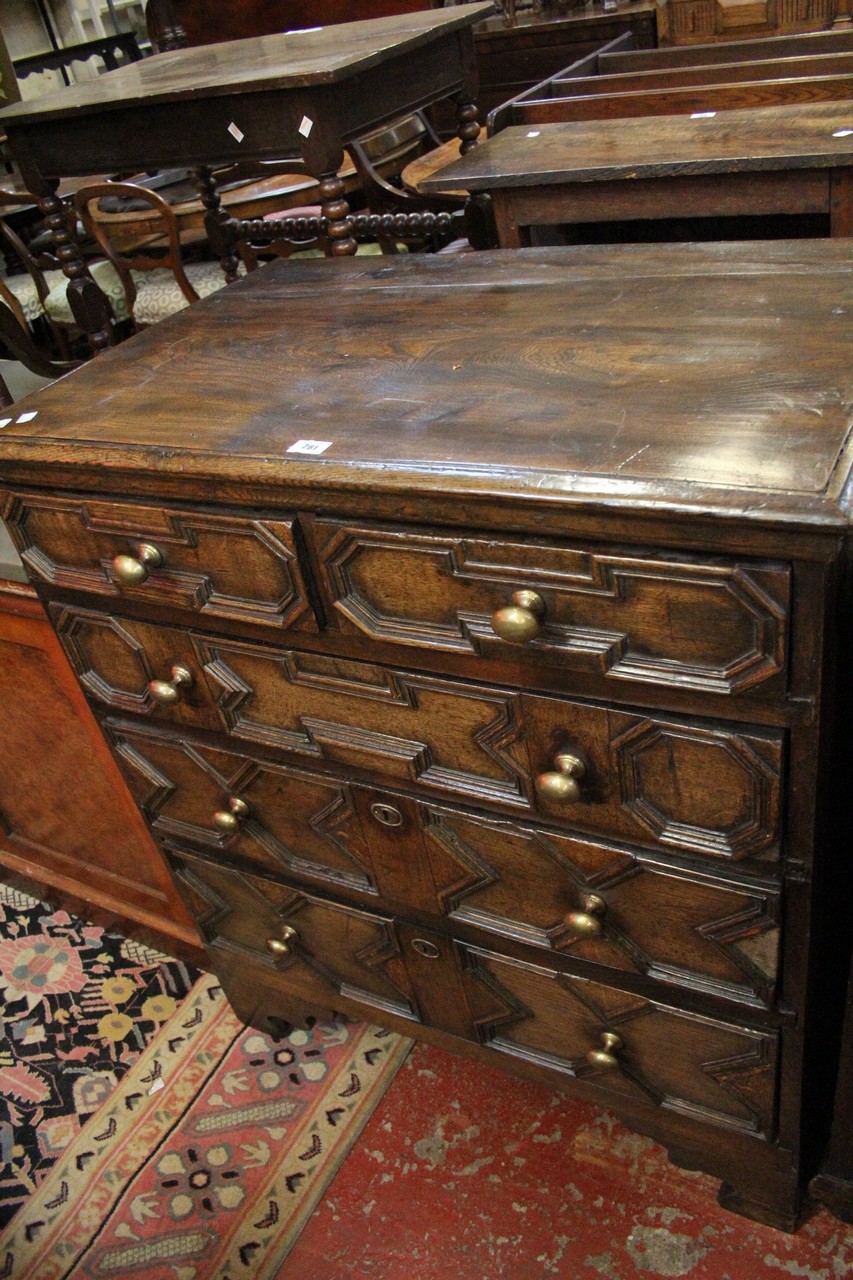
465 1174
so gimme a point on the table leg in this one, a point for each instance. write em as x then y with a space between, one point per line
89 305
336 209
467 126
220 226
841 202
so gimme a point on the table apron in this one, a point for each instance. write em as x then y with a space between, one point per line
767 192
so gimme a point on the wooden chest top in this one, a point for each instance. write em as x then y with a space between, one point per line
693 381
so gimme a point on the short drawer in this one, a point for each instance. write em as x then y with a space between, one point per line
579 899
624 1044
223 567
707 789
711 625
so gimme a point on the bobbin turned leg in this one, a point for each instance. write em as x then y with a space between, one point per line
89 304
335 207
467 128
221 228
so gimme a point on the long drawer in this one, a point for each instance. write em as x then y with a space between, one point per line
706 789
625 1044
583 899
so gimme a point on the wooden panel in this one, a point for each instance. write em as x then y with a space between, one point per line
332 950
66 819
583 899
650 777
698 624
723 1073
266 816
239 569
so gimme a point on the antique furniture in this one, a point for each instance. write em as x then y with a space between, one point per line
173 24
512 58
773 160
156 280
619 80
110 50
67 826
698 21
469 631
299 97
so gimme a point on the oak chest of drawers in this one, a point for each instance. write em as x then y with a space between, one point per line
472 634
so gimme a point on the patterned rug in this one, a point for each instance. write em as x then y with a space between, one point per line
213 1143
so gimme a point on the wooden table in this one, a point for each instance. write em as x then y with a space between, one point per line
301 96
512 712
771 160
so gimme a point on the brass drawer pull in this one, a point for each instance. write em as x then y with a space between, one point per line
561 786
606 1056
131 571
230 820
588 922
168 692
521 620
282 946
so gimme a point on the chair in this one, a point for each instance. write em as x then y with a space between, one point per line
156 281
16 341
380 158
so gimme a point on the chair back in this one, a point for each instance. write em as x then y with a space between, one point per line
380 158
137 231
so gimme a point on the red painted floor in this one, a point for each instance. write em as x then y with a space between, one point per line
463 1173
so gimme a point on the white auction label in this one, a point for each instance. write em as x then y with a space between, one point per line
310 446
236 132
306 126
27 417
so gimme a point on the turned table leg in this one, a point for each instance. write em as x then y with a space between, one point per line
335 207
221 228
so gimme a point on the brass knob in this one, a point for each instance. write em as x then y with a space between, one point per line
606 1056
281 946
168 692
520 621
229 820
561 786
131 571
588 921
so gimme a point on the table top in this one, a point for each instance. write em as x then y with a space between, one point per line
292 60
713 380
804 135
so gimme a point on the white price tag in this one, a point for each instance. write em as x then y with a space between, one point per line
236 133
306 126
27 417
4 422
309 446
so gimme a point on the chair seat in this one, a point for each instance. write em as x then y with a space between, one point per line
56 302
158 293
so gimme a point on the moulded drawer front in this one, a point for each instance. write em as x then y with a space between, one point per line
223 567
711 625
267 817
707 789
322 949
716 1071
579 898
